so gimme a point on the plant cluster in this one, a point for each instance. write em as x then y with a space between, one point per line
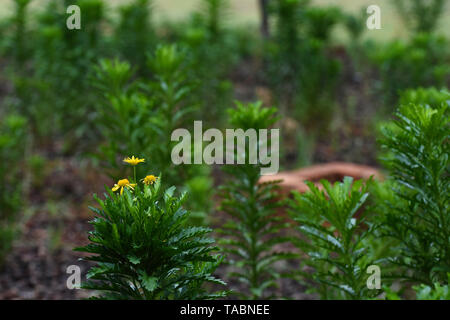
254 229
417 145
420 62
142 247
421 15
13 138
335 230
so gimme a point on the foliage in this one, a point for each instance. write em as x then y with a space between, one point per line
423 61
254 228
12 151
435 292
300 68
336 228
134 33
143 250
420 15
136 113
426 96
48 85
417 158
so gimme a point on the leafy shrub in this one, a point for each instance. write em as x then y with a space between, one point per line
336 231
52 91
254 227
417 157
435 292
143 250
423 61
136 113
12 151
134 33
420 15
425 96
320 21
300 68
213 49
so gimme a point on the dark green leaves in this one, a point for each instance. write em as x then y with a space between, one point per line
253 231
417 155
334 228
144 251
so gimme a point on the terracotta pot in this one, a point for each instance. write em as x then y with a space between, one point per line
333 171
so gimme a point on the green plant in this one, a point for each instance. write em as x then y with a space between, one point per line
320 21
423 61
254 228
137 113
299 67
134 33
143 250
420 15
417 149
335 230
426 96
213 51
12 151
434 292
51 89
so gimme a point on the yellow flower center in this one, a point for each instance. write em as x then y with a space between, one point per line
123 183
150 179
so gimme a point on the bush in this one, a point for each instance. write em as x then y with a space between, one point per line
435 292
143 250
420 15
12 151
335 233
423 61
136 113
299 67
417 150
254 227
134 33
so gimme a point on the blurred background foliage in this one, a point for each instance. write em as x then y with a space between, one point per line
74 103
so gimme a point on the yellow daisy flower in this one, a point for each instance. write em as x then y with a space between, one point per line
124 183
150 179
133 161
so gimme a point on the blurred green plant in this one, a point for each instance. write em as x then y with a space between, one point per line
51 88
138 117
421 15
143 250
299 67
421 62
134 33
425 96
416 154
434 292
254 229
13 133
335 229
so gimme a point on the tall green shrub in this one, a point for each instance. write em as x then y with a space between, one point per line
12 151
421 15
254 227
417 156
335 234
143 250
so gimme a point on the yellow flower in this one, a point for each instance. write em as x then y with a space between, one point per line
150 179
133 161
124 183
